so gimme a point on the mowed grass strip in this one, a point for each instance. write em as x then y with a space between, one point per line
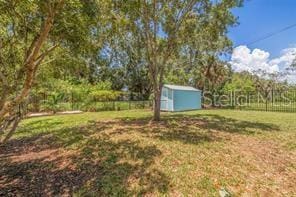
124 153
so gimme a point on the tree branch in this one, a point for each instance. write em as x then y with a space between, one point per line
45 53
4 89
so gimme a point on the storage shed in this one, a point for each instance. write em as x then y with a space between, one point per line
180 98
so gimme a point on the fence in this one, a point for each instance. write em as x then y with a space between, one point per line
279 101
70 102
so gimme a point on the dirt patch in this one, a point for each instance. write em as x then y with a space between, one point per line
46 171
32 115
47 155
271 168
58 157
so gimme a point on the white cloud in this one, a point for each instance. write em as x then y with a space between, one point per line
286 59
243 59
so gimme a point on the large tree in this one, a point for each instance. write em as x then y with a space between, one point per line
167 27
29 32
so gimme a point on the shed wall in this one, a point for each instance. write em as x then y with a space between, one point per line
186 100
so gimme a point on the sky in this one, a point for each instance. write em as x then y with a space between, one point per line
258 18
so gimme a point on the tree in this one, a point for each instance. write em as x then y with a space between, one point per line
159 24
33 56
243 82
122 60
29 32
201 56
266 82
166 27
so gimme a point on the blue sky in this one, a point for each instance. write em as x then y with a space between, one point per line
260 17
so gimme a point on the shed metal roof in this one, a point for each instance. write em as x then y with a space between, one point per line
176 87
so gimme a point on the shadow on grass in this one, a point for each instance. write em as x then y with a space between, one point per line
105 158
81 160
224 124
193 129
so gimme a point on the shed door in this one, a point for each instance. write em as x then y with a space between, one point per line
165 100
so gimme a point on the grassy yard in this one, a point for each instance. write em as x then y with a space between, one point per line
123 153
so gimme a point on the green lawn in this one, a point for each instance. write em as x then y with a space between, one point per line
124 153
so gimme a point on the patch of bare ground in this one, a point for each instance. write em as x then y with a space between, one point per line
268 169
30 170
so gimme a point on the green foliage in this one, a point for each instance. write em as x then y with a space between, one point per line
53 102
243 82
104 95
177 75
61 95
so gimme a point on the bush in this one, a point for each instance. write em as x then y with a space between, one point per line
105 95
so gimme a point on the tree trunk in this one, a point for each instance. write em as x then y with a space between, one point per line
11 131
32 60
156 108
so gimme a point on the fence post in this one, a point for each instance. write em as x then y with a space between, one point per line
248 99
72 103
44 98
272 98
266 102
231 101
